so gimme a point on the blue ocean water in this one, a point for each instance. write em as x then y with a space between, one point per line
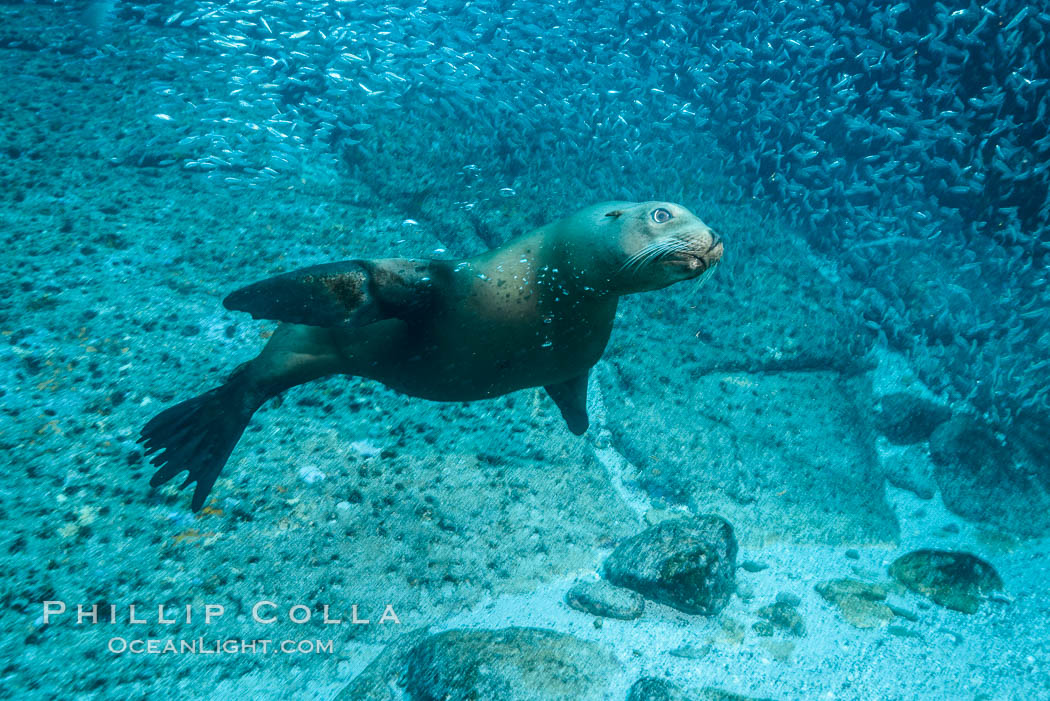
858 389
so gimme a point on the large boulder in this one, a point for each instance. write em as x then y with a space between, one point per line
786 455
515 664
688 564
907 418
990 478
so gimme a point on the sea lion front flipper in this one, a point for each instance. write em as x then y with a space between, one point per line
347 293
571 398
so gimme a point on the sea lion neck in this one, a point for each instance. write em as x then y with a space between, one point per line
540 259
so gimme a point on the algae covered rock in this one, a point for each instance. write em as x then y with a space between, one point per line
515 664
688 564
860 603
783 616
603 599
955 580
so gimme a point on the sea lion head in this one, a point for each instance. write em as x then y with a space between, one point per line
650 245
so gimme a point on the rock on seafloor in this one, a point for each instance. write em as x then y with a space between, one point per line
654 689
600 598
860 603
955 580
910 467
783 616
512 664
688 564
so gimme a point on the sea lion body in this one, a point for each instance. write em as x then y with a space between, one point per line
535 312
466 352
500 322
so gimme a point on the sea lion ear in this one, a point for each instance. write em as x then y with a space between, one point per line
349 293
614 214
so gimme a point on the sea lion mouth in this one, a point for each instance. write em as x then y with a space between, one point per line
679 252
693 262
696 260
685 258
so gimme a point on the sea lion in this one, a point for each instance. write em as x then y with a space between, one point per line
535 312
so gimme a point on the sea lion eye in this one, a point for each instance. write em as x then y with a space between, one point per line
661 215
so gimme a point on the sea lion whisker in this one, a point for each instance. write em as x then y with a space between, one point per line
654 251
701 280
639 258
671 247
623 268
651 253
630 261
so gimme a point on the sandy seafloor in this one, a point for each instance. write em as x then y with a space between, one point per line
468 516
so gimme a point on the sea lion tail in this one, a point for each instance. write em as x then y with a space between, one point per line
198 435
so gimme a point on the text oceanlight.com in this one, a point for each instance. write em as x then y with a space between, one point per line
200 646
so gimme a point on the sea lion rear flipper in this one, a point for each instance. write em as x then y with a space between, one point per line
348 293
198 436
571 398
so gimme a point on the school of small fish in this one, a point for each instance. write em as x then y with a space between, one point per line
909 141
